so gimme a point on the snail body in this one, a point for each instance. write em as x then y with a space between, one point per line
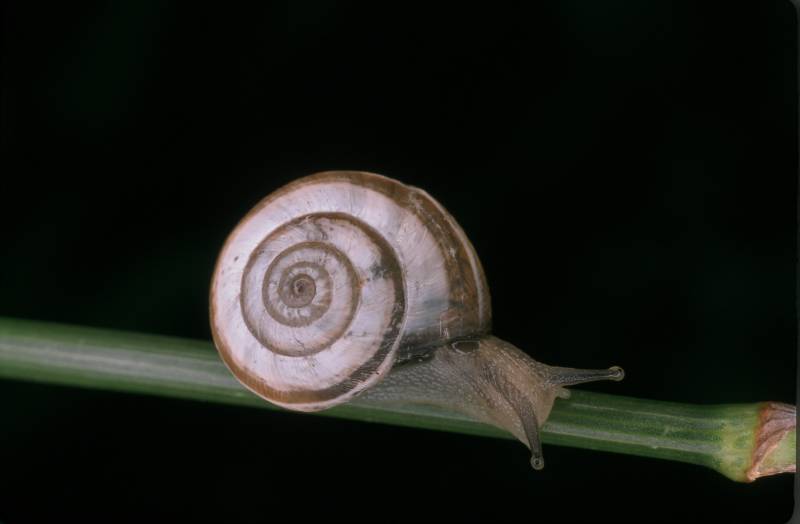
341 279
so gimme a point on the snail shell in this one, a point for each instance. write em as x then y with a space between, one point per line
331 279
338 278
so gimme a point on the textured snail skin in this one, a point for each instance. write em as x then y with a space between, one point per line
347 283
488 380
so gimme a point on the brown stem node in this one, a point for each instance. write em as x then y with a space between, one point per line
776 420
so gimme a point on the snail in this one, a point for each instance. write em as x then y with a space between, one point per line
349 283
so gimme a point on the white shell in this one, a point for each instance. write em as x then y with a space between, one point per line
323 284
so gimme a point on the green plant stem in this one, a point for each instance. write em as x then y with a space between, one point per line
741 441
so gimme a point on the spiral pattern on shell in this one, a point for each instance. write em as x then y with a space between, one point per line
326 281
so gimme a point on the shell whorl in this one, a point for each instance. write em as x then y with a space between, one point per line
328 280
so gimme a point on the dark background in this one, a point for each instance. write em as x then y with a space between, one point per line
626 171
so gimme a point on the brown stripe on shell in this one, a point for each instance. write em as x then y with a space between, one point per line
271 308
469 314
389 269
468 311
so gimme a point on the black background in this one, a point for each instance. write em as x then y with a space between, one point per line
626 171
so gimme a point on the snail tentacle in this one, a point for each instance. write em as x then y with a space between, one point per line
571 376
